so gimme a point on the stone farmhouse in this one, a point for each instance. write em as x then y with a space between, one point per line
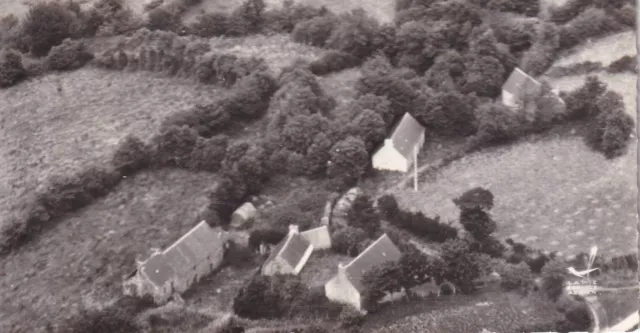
289 256
174 270
401 149
346 287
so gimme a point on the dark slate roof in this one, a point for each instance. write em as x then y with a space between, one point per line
382 250
519 83
157 270
291 249
406 134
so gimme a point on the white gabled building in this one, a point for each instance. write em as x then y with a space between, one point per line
400 149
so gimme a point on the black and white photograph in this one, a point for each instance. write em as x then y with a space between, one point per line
318 166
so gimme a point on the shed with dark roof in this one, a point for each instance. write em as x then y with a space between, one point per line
399 149
289 256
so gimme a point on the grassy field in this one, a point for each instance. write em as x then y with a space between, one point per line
456 314
59 123
618 305
616 46
277 50
86 256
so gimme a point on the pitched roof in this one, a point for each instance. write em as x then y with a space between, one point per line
406 134
317 236
157 270
380 251
192 248
291 249
519 83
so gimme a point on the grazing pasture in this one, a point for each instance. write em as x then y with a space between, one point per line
59 123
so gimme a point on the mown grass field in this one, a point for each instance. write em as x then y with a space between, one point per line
60 123
554 193
86 256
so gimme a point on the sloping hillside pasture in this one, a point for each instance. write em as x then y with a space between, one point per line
496 313
21 7
605 50
554 194
88 254
60 123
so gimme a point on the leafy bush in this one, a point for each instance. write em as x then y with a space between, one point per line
478 223
333 61
462 266
270 297
265 236
315 31
357 34
350 317
362 215
515 277
66 194
208 154
553 278
369 126
68 56
349 160
581 102
173 146
591 23
420 225
610 132
489 245
624 64
475 198
345 240
131 156
108 18
247 19
388 206
380 280
526 7
497 124
46 25
210 25
11 68
107 320
281 217
163 19
448 114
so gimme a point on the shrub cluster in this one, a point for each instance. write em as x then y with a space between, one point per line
58 197
11 69
591 23
69 55
462 265
349 240
581 68
624 64
526 7
281 296
419 224
107 320
516 277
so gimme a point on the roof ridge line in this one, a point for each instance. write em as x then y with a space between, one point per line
367 249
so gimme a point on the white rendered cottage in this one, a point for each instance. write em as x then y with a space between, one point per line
346 287
289 256
401 148
174 270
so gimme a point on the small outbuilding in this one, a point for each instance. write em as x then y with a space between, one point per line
243 215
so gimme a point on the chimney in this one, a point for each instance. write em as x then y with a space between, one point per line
293 229
341 268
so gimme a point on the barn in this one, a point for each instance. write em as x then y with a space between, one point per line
401 148
174 270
